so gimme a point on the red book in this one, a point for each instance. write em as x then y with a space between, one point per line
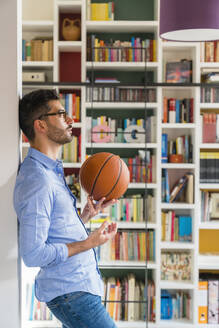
209 128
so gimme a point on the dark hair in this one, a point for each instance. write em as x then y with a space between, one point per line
32 106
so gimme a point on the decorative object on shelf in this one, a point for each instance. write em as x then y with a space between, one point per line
179 72
104 175
71 29
176 158
134 134
187 20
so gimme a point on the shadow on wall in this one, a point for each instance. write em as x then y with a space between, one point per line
9 243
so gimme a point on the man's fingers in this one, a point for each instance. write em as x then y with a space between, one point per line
103 226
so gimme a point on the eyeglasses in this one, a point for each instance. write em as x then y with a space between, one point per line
61 113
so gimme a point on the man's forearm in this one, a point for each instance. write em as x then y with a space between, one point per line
78 247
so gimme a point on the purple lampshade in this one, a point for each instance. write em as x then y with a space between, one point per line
189 20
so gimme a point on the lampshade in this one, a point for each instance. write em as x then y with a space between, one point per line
189 20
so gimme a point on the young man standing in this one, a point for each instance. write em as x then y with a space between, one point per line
52 235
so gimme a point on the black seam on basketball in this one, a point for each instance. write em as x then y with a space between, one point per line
120 171
95 181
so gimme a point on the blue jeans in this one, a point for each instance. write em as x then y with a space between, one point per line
80 310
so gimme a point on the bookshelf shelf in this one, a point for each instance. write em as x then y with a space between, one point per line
209 146
45 64
42 323
178 125
210 186
121 26
121 105
71 165
141 185
128 225
121 145
69 6
180 323
121 66
70 46
173 206
209 262
38 26
209 225
209 105
178 166
176 245
176 285
126 265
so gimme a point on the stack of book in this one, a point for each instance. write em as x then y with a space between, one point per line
176 266
176 227
178 110
209 167
210 127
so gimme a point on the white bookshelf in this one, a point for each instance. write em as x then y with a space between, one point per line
166 51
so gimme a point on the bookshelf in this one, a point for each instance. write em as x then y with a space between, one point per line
68 52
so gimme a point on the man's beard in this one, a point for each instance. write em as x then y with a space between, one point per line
59 136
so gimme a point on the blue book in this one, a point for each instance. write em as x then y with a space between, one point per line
177 111
23 50
181 228
164 148
167 187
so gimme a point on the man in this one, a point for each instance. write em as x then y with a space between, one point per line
51 233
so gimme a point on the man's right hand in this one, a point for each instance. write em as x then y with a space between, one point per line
101 235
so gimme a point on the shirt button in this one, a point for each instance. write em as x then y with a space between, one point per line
60 174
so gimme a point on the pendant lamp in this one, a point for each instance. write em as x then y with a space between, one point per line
189 20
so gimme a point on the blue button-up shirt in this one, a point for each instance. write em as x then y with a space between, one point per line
48 220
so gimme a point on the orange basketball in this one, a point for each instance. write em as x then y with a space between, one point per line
104 175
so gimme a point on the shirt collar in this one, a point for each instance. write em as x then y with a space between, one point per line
42 158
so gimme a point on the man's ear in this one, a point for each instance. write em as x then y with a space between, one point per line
39 126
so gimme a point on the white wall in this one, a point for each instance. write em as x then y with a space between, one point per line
37 9
9 153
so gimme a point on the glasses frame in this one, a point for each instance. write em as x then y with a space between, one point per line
60 112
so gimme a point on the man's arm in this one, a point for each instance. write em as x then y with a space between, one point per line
98 237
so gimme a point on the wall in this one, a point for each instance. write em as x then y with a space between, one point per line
37 9
9 80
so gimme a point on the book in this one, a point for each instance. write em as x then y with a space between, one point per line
202 302
178 188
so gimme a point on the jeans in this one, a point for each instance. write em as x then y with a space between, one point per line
80 310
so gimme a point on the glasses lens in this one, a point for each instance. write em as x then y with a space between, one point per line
63 114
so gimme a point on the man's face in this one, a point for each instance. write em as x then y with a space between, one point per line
59 126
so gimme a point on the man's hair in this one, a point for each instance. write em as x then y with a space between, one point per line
31 107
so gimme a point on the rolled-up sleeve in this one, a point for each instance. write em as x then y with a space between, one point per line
34 204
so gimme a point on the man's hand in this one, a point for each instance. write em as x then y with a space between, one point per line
101 235
98 237
91 209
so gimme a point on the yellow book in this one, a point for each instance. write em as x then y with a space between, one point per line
163 224
134 209
99 11
202 302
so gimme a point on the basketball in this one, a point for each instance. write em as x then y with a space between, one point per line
104 175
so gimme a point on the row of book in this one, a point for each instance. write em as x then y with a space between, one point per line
106 129
175 305
209 95
135 50
210 51
180 146
129 246
134 209
208 300
182 191
72 181
209 205
100 11
36 310
209 167
72 104
210 127
125 299
118 94
71 152
37 50
142 169
176 265
178 110
176 227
